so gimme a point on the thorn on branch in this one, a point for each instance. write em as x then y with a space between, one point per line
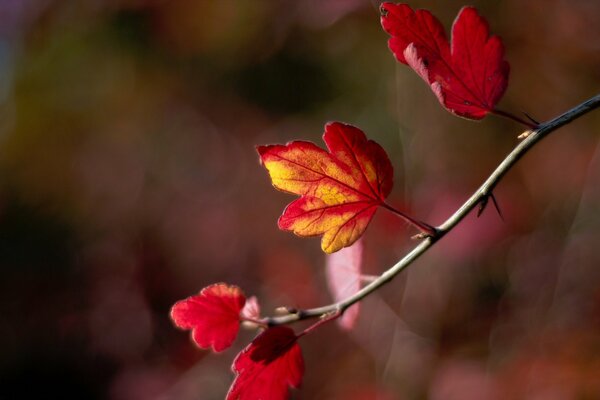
497 206
484 202
482 205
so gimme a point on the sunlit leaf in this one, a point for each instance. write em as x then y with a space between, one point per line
340 190
343 273
213 315
468 76
251 309
268 366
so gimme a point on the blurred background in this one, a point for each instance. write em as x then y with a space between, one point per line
129 180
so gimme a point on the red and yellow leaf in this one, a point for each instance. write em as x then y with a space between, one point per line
340 190
213 315
268 366
468 76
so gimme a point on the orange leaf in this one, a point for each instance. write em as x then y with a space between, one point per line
340 190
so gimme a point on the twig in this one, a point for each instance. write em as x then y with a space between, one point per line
481 194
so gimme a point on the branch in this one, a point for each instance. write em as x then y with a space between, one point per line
482 194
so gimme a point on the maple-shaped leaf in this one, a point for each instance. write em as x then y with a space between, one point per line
213 315
268 366
468 76
343 274
340 190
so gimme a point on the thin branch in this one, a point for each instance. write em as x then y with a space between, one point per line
481 194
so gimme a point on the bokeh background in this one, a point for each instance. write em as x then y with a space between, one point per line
129 180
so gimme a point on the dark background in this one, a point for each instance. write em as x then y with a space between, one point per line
129 180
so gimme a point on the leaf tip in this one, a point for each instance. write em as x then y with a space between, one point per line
262 150
328 248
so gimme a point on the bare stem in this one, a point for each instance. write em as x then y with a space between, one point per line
481 194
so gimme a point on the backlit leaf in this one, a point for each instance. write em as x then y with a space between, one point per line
468 76
268 366
251 309
340 190
343 274
213 315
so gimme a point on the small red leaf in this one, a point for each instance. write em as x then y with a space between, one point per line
340 190
268 366
343 273
469 76
213 315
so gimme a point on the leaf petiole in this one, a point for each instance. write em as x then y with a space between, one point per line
513 117
325 318
425 228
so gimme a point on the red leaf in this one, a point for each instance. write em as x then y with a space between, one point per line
468 77
343 273
213 315
340 190
268 366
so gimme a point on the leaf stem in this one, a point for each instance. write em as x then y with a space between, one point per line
476 198
513 117
325 318
422 226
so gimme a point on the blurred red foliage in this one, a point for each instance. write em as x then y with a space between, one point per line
129 179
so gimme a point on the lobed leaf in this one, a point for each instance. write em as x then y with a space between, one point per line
340 189
213 315
468 76
268 366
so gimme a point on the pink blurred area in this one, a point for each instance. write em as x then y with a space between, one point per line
129 180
